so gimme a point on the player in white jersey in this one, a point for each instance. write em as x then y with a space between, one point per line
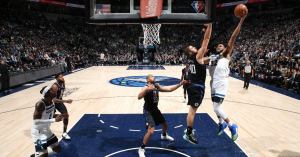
219 84
43 116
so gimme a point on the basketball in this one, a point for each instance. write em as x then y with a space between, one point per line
240 10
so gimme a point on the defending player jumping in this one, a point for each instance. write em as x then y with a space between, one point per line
153 116
196 86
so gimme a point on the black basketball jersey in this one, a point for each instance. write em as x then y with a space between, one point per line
197 72
151 100
60 91
185 73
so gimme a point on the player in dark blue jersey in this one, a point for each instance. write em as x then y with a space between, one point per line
196 86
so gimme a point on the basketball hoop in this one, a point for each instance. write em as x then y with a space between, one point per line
151 34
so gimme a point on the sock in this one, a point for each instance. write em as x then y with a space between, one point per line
220 120
189 130
164 134
143 146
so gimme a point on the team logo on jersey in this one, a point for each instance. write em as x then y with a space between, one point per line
198 6
140 81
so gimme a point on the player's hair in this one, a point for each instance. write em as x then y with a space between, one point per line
225 44
57 75
186 49
149 75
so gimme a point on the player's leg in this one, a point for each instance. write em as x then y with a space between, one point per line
195 97
63 110
53 144
220 113
40 143
165 135
150 123
217 101
40 151
189 132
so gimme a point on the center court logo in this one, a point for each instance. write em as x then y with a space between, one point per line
140 81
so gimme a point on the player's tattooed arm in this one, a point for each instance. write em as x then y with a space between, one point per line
229 49
203 50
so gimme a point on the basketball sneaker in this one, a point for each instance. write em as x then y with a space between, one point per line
234 132
141 152
66 136
190 137
221 128
167 137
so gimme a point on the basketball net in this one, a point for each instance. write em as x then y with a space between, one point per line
151 9
151 34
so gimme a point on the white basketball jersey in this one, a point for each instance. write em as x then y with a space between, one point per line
49 112
213 63
42 131
220 78
222 69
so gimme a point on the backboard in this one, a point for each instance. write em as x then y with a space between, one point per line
172 11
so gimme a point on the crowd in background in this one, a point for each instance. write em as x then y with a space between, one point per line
273 48
31 41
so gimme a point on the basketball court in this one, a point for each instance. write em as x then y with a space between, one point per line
106 119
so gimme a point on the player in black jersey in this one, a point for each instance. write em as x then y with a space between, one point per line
152 114
59 103
184 76
196 86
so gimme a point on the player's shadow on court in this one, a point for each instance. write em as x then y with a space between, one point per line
286 153
68 150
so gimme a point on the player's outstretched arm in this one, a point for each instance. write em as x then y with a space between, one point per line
203 50
69 101
171 88
233 37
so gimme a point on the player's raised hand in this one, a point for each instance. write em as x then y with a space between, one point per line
184 82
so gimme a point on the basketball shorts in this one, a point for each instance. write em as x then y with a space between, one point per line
61 108
219 89
153 118
195 94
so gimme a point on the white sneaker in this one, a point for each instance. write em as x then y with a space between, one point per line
167 137
141 152
66 136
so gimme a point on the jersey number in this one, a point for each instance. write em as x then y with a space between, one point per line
193 69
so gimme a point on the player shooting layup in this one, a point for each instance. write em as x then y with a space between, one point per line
219 84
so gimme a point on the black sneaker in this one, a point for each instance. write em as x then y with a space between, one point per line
190 138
